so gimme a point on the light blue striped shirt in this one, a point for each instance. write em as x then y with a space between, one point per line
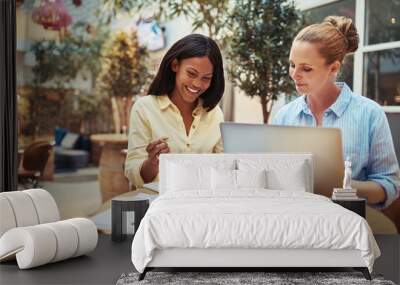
366 136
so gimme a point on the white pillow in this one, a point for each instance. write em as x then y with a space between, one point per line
282 174
235 179
182 177
251 178
185 173
293 179
223 179
69 140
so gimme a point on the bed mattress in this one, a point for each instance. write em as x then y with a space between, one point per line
250 219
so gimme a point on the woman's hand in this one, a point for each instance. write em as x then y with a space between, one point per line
155 148
149 168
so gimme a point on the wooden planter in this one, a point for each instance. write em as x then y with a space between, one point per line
111 173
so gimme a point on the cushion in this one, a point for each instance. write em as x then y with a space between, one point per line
66 237
69 140
175 170
7 220
223 179
282 174
45 205
59 134
70 158
235 179
251 178
26 208
23 208
183 178
291 180
41 244
87 233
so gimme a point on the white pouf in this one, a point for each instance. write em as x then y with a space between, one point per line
31 232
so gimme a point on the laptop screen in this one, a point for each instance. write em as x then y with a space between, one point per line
324 143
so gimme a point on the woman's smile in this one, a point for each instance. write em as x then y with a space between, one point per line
192 91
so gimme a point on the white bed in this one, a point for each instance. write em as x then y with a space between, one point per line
219 210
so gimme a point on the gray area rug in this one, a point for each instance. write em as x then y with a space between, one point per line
228 278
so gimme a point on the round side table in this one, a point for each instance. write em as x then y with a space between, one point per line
120 206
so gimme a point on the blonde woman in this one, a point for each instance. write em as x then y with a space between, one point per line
315 59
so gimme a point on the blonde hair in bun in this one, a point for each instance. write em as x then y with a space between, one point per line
335 36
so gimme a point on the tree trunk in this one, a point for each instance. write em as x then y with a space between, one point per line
116 118
265 111
121 107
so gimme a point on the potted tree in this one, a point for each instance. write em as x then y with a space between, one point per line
123 75
263 33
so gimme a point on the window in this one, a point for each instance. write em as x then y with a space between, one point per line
342 8
382 21
346 72
381 80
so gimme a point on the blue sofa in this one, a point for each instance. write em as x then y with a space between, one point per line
71 150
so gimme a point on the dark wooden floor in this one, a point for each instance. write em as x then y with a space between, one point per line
102 266
110 260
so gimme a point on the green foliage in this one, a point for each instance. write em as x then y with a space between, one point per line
60 61
209 14
45 108
259 50
109 9
88 105
90 40
57 64
54 61
124 72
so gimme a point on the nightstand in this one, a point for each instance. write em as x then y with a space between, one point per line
356 205
120 206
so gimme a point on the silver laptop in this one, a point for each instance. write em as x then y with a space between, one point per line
324 143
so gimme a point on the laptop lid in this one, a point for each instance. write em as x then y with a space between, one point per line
324 143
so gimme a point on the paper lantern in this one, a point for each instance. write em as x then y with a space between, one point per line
52 15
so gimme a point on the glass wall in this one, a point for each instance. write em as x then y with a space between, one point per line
78 74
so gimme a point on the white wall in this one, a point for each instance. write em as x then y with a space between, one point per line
246 109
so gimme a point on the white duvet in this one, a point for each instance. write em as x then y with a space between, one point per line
252 218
